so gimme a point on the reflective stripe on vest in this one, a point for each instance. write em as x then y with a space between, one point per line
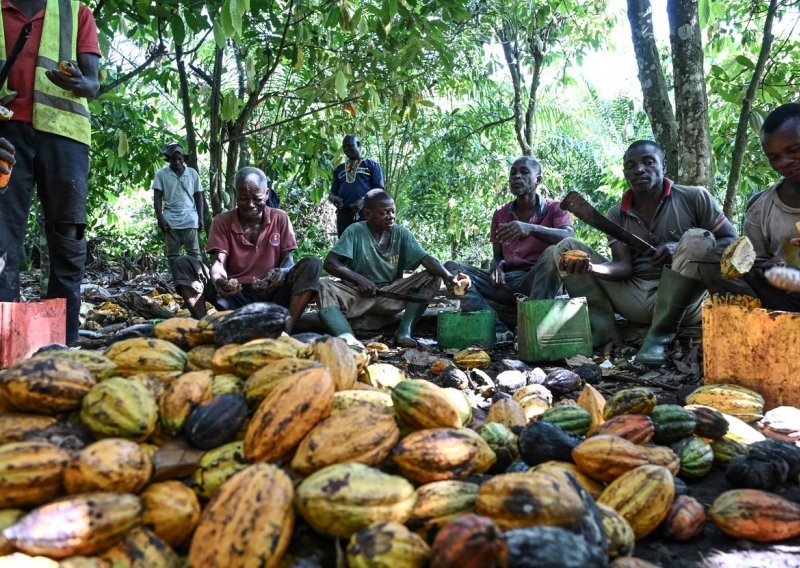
56 110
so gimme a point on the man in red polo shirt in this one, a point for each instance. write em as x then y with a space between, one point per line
251 248
51 132
663 289
521 232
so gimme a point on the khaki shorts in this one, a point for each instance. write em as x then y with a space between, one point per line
334 292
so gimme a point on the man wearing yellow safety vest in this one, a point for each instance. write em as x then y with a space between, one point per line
49 83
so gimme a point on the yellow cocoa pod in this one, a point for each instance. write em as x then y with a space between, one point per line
387 544
112 464
221 362
340 359
217 466
80 525
160 359
177 331
182 396
341 499
264 380
30 473
472 358
253 355
289 412
643 496
46 385
363 434
514 500
171 510
249 522
200 357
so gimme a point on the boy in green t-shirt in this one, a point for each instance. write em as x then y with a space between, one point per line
372 256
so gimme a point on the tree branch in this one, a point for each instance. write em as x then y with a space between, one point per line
740 140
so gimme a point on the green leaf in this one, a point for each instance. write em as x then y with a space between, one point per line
704 12
230 107
341 84
236 16
122 144
178 30
219 34
298 62
745 61
226 19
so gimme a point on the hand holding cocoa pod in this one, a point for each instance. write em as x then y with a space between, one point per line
575 262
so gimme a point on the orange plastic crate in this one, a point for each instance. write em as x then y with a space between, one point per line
25 327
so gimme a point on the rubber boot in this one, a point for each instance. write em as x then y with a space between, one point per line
601 314
675 295
411 316
337 324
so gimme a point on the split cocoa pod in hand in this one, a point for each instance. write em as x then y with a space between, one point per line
573 256
463 284
68 68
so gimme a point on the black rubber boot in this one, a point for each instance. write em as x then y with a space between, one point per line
411 316
675 295
601 314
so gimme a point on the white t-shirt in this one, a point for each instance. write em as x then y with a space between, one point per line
179 209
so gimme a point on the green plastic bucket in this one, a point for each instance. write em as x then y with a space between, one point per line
459 330
548 330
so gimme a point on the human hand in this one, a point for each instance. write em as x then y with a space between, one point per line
200 227
663 254
366 287
275 277
162 226
458 284
513 231
67 75
358 205
498 276
337 201
6 156
227 288
575 262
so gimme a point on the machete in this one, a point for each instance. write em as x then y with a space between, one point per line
409 297
575 203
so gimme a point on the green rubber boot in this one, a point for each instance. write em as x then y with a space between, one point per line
411 316
337 324
601 314
675 295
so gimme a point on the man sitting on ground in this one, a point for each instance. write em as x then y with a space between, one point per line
662 289
252 261
771 219
521 232
371 257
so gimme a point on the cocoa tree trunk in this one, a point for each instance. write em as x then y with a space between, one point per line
691 104
215 185
740 140
655 92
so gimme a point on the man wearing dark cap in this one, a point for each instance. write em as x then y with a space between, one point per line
178 201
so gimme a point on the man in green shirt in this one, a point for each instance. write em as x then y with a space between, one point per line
372 256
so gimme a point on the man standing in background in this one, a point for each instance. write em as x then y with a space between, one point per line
178 201
351 182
